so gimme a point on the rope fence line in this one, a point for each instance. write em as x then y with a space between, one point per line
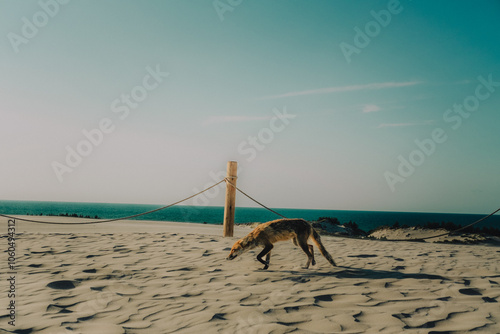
115 219
416 239
242 192
253 199
451 232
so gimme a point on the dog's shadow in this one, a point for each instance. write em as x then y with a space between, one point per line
342 272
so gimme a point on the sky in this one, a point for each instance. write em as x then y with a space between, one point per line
342 105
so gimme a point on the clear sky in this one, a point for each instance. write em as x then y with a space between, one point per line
348 105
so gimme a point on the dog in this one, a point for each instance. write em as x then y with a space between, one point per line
267 234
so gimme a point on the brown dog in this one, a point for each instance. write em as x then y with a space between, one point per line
267 234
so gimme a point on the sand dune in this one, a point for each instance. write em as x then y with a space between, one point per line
173 278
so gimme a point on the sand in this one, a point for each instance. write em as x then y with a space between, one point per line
157 277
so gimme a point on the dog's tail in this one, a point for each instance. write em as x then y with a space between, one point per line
317 240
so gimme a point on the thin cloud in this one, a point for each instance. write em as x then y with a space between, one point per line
462 82
234 119
340 89
395 125
371 108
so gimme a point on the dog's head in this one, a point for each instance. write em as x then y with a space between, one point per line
236 250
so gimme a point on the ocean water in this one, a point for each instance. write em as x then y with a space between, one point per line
366 220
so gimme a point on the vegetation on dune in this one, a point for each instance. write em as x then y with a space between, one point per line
354 229
448 226
73 215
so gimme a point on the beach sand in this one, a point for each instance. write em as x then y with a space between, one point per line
158 277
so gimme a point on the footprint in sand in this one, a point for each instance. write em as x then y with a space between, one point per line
43 252
470 292
218 316
92 255
62 285
323 298
292 309
363 256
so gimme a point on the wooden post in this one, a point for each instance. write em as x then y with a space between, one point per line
229 208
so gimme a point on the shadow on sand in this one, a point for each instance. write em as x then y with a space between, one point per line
360 273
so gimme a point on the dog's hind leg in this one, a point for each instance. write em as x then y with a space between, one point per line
311 250
305 247
266 251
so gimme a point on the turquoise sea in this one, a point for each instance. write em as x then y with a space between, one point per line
366 220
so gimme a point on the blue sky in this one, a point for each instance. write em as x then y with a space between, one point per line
156 96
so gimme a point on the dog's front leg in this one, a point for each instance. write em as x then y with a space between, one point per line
268 258
266 251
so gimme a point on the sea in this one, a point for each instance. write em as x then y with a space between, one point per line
366 220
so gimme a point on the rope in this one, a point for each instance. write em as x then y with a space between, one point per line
115 219
417 239
241 191
451 232
253 199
